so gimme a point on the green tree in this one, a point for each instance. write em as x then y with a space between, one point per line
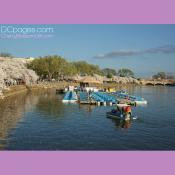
160 75
109 75
49 67
109 72
83 68
69 69
171 77
126 73
5 54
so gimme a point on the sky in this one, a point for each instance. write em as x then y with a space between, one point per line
146 49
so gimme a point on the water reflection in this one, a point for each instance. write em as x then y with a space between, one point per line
40 121
87 108
50 104
11 112
118 122
122 123
45 102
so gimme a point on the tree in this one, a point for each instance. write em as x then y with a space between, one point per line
5 54
109 72
125 73
69 69
160 75
171 77
49 67
109 75
84 68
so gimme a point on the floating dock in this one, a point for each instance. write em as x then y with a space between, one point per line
103 98
98 98
84 98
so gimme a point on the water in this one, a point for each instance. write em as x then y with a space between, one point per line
40 121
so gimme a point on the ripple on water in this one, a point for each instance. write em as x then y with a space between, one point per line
40 121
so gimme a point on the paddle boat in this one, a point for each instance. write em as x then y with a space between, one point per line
123 111
137 100
103 98
70 96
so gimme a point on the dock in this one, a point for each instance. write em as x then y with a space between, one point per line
98 98
102 98
83 98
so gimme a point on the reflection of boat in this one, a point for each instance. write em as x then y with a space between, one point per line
70 96
64 90
60 91
123 112
122 123
114 115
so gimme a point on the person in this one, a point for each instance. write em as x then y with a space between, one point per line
128 109
127 112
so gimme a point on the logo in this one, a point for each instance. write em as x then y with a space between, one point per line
10 31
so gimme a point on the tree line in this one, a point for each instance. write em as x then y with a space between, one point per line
6 54
56 67
162 76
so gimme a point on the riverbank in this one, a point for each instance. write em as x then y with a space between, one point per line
17 89
14 90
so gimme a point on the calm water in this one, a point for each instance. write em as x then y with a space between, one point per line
40 121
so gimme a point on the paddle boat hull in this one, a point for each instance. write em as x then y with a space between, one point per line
113 116
133 99
118 116
70 97
143 102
